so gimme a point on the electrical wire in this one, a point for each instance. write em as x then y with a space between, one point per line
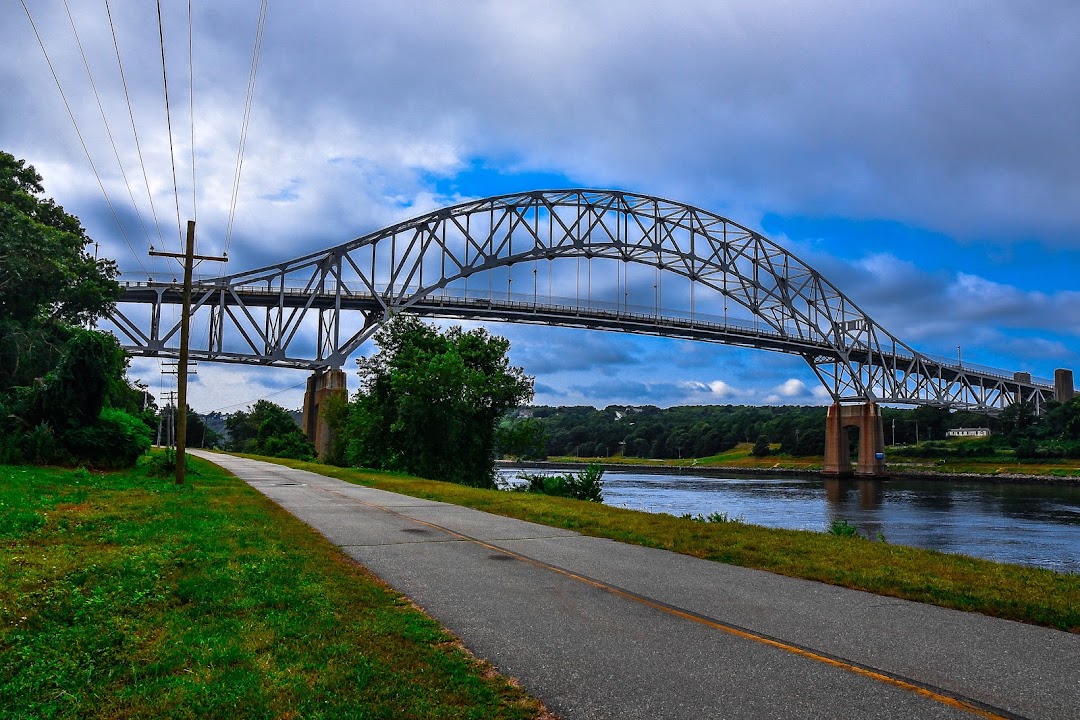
263 397
134 131
105 120
191 117
168 118
78 132
257 50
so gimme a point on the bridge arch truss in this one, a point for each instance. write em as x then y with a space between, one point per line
581 258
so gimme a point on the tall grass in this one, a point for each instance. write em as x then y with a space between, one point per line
123 595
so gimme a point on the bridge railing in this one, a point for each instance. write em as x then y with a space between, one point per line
959 365
535 303
526 301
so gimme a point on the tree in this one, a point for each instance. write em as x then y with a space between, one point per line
429 402
48 282
199 434
932 421
1062 420
268 429
524 438
63 395
1019 421
761 447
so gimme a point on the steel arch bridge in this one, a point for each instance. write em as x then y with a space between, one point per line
596 259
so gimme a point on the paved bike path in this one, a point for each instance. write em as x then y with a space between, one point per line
601 629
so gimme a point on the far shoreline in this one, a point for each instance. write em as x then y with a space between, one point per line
714 471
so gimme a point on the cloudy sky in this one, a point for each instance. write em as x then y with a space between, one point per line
924 156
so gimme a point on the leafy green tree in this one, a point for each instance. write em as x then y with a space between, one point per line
63 394
524 438
199 434
429 402
1019 421
117 439
268 429
932 421
1062 420
73 393
761 447
48 282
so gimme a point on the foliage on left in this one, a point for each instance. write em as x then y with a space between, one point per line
64 398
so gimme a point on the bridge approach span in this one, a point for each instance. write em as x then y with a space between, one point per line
595 259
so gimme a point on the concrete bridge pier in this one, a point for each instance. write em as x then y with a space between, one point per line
321 386
1063 385
867 418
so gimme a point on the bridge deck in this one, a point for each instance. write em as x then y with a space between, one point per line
596 316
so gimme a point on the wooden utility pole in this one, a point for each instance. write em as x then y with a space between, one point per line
188 257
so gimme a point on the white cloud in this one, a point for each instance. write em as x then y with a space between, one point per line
791 388
722 390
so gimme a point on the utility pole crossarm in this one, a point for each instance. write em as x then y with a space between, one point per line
182 256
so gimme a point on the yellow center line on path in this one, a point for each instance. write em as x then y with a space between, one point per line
926 691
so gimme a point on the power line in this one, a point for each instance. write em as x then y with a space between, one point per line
256 51
78 132
168 118
105 120
263 397
134 131
191 115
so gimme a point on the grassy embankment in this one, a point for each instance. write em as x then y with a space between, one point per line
1004 462
123 595
737 457
1008 591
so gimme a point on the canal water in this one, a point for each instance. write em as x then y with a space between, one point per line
1023 524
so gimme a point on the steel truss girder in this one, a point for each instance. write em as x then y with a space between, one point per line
327 304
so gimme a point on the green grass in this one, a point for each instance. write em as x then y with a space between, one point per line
1004 463
1064 468
737 457
1015 592
122 595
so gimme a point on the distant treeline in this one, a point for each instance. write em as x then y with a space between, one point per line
676 432
705 430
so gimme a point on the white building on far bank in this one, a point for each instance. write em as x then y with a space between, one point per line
968 432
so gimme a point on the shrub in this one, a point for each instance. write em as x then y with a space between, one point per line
587 484
40 446
842 528
713 517
116 440
293 445
163 463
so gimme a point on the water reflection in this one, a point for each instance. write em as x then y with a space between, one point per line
1025 524
870 492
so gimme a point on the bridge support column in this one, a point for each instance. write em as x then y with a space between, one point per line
322 385
867 418
1063 385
